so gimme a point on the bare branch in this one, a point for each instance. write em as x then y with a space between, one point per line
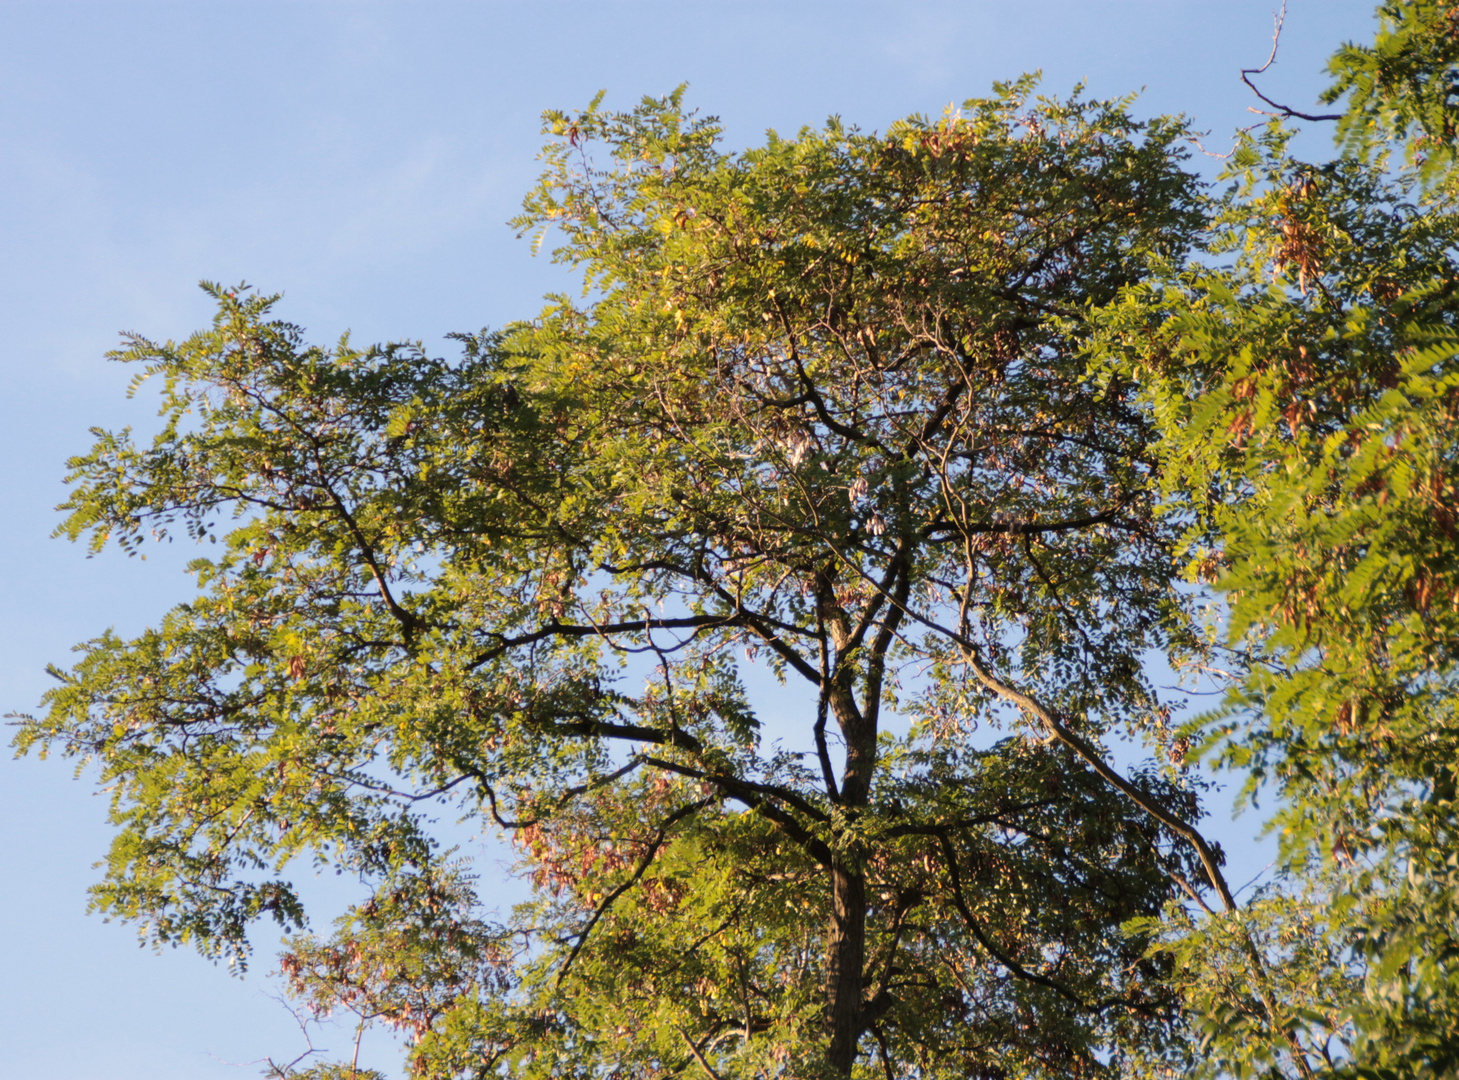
1278 19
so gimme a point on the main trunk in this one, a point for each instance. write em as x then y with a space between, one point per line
847 951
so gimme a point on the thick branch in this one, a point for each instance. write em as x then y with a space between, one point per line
556 629
1095 760
1020 528
758 797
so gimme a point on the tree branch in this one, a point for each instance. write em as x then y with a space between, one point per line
955 880
757 797
556 629
1282 110
1061 731
643 864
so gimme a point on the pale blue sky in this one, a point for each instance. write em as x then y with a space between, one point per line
363 158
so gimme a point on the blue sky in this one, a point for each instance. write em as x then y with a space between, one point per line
362 158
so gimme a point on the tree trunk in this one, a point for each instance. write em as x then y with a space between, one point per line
847 950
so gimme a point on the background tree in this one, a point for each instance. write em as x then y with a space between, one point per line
826 401
1401 90
1308 396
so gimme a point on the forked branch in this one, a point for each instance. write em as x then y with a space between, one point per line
1278 19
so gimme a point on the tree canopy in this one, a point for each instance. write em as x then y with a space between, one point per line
971 430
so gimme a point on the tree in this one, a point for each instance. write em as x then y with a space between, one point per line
1401 91
826 402
1308 396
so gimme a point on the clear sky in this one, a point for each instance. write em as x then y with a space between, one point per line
362 158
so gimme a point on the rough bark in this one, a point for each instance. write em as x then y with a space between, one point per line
846 948
847 953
